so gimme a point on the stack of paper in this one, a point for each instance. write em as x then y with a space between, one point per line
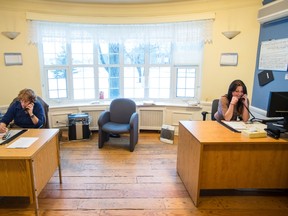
254 134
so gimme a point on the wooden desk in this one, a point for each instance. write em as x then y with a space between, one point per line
25 172
210 156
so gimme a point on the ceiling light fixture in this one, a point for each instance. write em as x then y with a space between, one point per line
11 35
230 34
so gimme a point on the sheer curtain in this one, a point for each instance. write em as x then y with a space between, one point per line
195 32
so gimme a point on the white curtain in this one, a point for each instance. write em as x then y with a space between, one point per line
196 32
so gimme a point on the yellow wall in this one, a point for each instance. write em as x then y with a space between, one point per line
230 15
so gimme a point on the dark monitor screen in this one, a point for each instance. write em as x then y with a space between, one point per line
278 107
277 104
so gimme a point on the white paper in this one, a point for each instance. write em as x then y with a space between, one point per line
240 125
237 125
13 58
274 55
23 142
229 59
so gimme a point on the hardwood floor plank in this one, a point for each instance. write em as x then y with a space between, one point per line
139 203
112 181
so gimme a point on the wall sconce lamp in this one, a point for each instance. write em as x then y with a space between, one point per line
11 35
230 34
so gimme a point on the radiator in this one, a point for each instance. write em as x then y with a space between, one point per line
150 119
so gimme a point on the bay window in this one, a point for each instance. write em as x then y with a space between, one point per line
79 62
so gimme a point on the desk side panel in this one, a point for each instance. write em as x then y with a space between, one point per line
245 166
15 178
45 163
188 162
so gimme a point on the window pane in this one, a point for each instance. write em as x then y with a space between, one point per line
164 83
55 53
108 52
159 82
160 52
62 93
134 52
181 92
134 82
83 83
82 51
186 82
109 81
62 83
57 82
190 93
53 94
181 82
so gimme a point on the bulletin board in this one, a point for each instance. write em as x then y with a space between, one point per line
274 55
275 31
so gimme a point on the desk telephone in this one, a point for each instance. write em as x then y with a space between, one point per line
274 131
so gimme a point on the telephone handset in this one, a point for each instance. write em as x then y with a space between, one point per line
26 108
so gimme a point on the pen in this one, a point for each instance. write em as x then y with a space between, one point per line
6 136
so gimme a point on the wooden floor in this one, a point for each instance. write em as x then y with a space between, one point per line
114 181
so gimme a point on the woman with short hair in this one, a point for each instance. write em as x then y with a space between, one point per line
26 112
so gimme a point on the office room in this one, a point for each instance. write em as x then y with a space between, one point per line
112 180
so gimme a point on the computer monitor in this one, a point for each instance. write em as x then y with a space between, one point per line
278 106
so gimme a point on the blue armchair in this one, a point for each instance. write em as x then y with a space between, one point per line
121 118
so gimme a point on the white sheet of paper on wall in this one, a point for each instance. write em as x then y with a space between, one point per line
13 59
229 59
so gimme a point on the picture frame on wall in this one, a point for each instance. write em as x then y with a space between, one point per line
229 59
13 59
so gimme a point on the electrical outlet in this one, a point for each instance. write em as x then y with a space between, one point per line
286 76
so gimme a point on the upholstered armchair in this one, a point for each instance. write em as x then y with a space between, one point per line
121 118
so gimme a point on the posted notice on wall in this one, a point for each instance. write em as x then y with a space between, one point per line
274 55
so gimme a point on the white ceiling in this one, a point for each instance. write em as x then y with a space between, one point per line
120 1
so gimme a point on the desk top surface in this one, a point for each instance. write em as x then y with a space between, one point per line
212 132
43 135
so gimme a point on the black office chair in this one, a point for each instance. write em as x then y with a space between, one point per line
121 118
214 109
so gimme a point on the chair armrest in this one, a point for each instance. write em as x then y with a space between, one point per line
104 117
204 114
134 120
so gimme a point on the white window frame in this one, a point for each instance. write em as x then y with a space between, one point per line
95 65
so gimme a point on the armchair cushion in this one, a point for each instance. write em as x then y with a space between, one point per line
116 128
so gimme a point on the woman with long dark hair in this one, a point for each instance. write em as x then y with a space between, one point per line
234 104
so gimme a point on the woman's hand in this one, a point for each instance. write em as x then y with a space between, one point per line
3 128
244 99
29 108
234 100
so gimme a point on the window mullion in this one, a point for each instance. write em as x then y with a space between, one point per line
69 73
96 69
